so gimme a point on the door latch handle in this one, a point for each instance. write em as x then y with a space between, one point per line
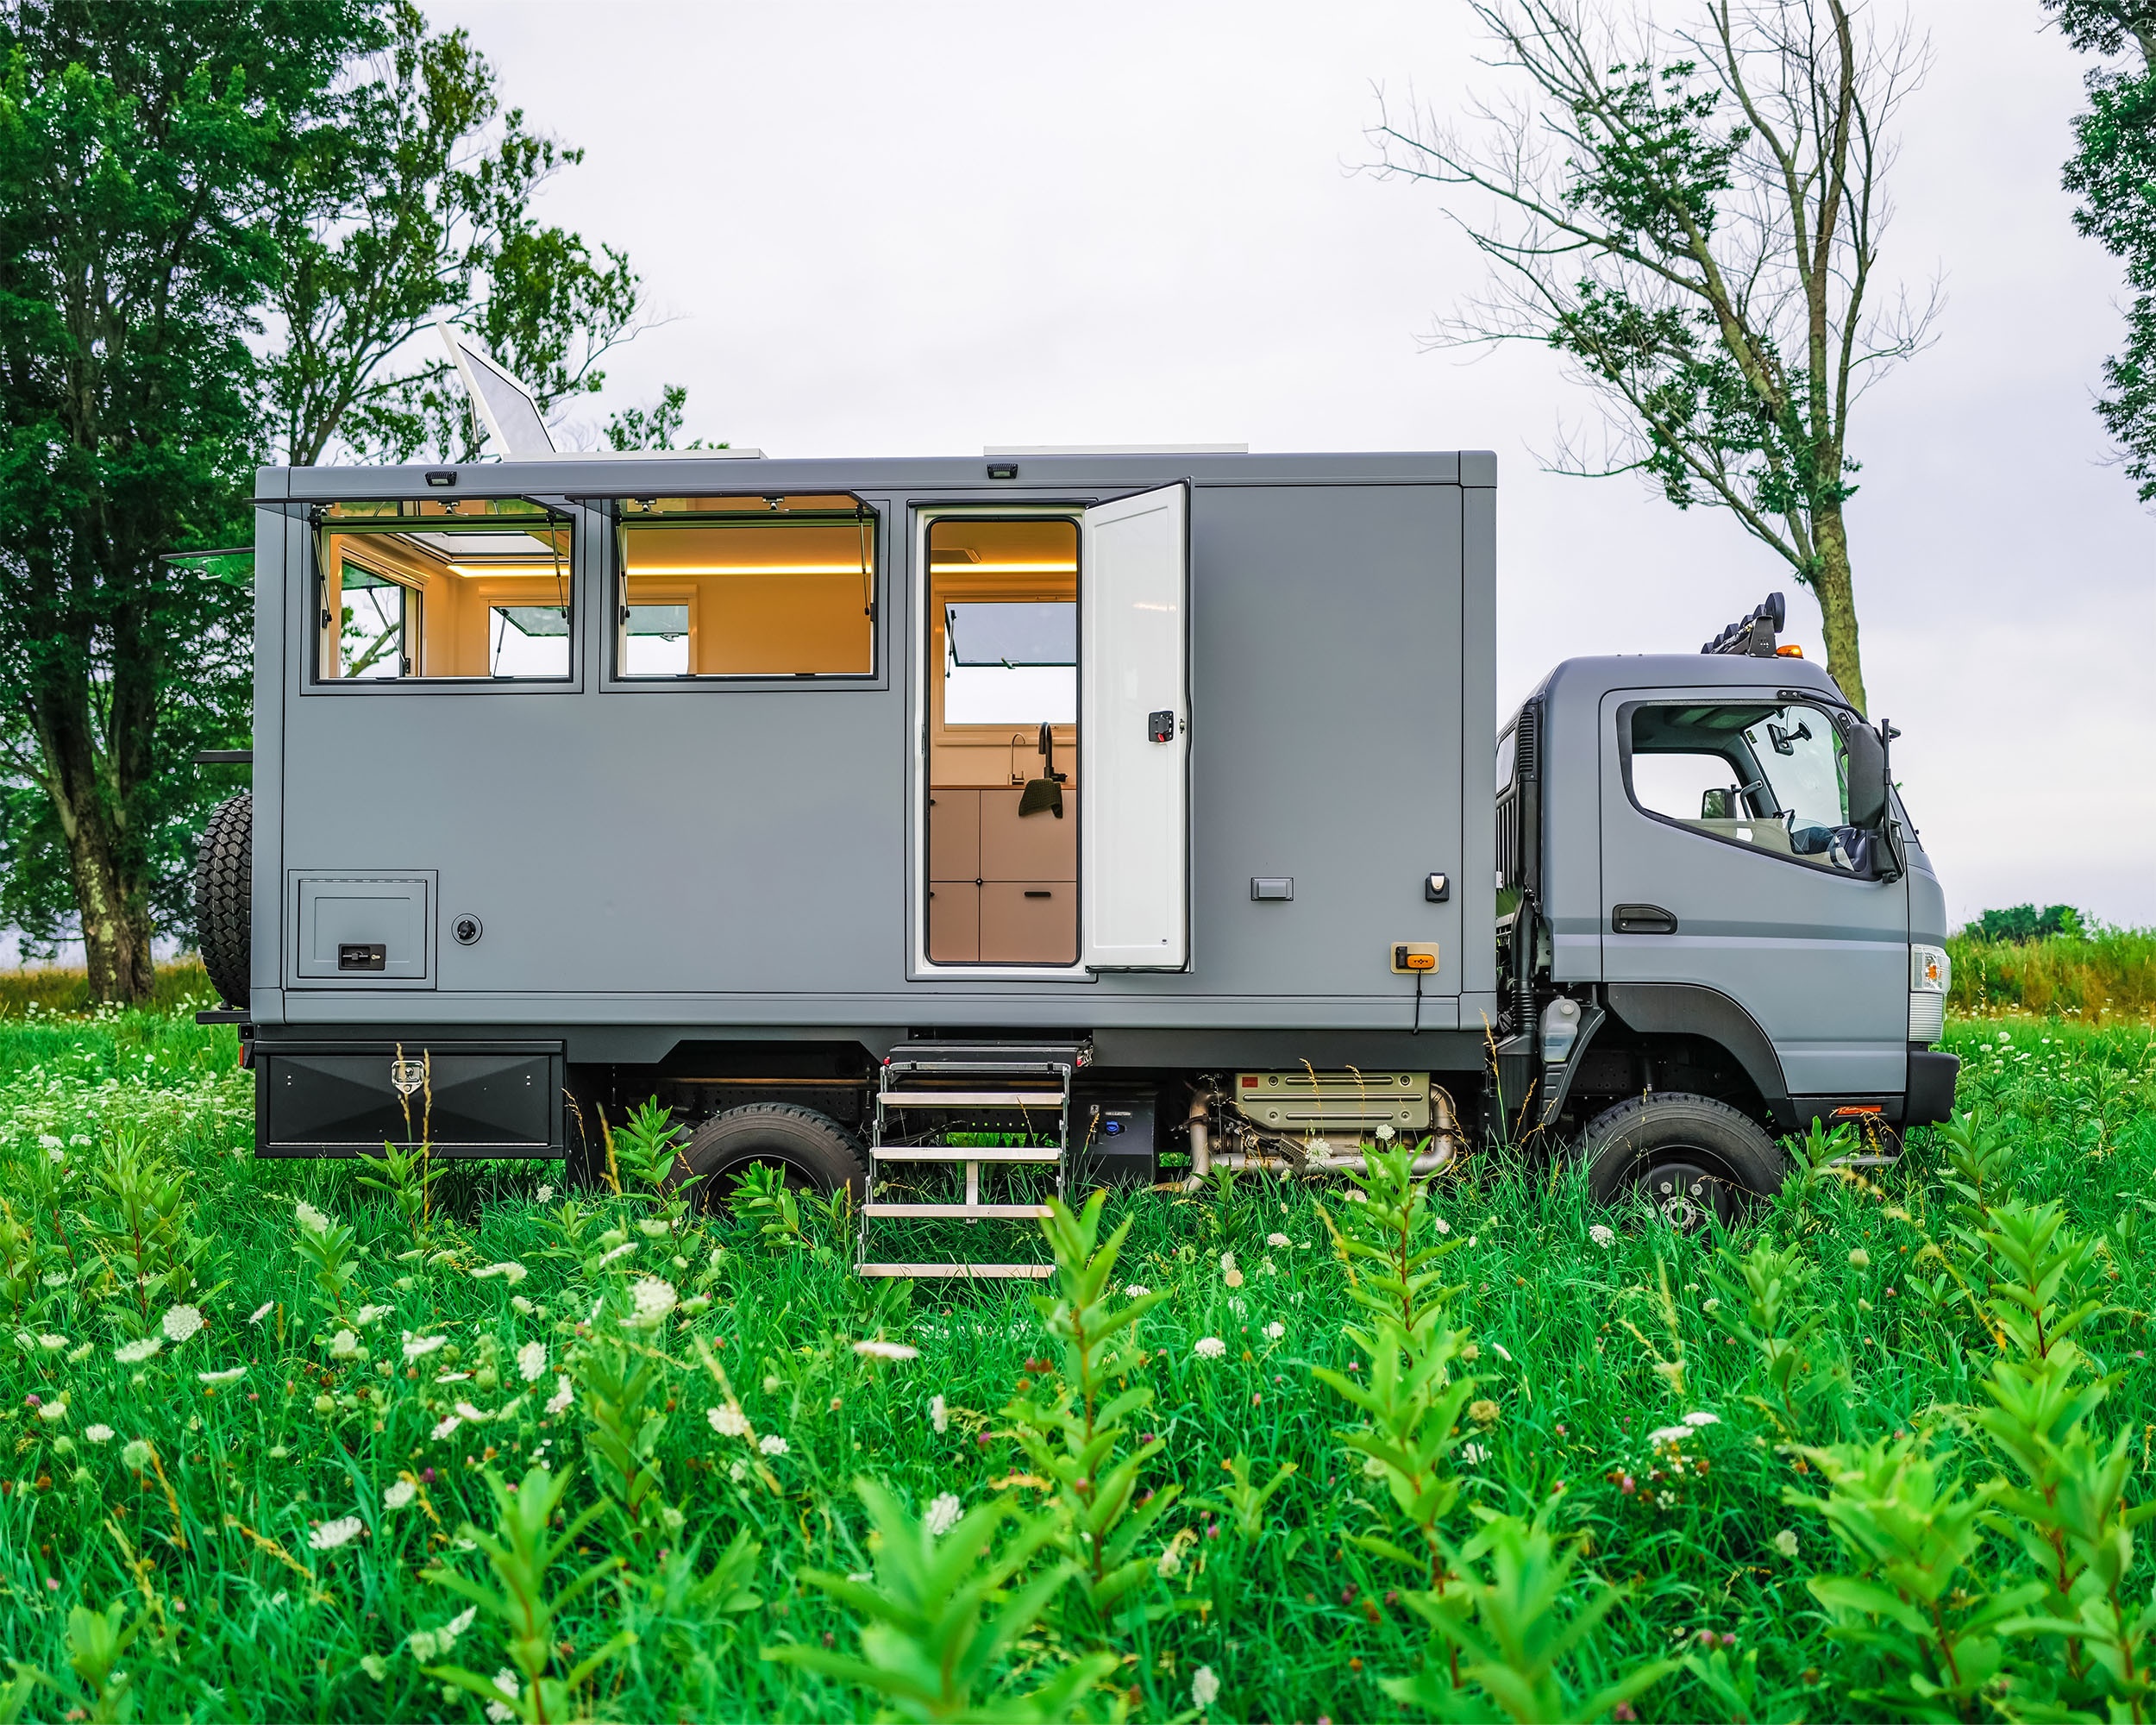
1642 920
1160 727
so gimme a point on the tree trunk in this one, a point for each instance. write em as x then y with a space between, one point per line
115 929
1838 603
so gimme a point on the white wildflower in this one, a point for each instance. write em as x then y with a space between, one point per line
136 1455
1233 1278
518 1303
1785 1541
1602 1234
1498 1348
516 1272
621 1250
456 1626
1227 1262
1443 1227
261 1311
531 1361
49 1140
464 1410
738 1472
1277 1240
181 1322
544 1195
51 1344
1170 1564
1702 1417
449 1424
418 1347
373 1315
1669 1434
1209 1347
728 1421
563 1394
943 1514
398 1493
1204 1688
772 1444
331 1535
53 1412
312 1219
883 1350
655 1298
231 1374
1473 1454
99 1435
939 1414
344 1344
134 1353
1137 1290
1274 1331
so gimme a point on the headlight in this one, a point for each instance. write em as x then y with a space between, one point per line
1931 973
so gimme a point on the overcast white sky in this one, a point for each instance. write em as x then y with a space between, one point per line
926 228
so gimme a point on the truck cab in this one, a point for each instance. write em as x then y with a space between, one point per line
1717 920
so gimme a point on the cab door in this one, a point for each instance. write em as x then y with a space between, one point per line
1722 868
1133 717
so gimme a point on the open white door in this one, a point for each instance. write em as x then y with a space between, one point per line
1133 730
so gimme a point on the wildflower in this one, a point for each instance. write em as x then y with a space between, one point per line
1859 1258
518 1303
312 1219
398 1493
729 1421
52 1413
464 1410
505 1681
621 1250
655 1298
331 1535
1227 1262
1274 1331
1204 1688
1603 1235
883 1350
231 1374
531 1360
1473 1454
449 1424
374 1315
943 1514
516 1272
1785 1542
738 1472
1209 1347
1483 1411
1277 1240
1498 1348
51 1344
134 1353
375 1666
1137 1290
181 1322
418 1347
544 1195
136 1455
1233 1278
772 1444
99 1435
1669 1434
563 1394
343 1344
262 1311
1699 1416
1443 1227
939 1414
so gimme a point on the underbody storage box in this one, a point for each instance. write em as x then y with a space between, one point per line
344 1099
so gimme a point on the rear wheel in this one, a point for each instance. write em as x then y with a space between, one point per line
224 876
1690 1156
813 1150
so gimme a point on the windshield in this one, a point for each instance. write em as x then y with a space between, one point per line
1775 777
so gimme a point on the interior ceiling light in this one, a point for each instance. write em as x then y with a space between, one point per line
956 553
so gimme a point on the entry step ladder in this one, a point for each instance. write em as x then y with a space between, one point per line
930 1089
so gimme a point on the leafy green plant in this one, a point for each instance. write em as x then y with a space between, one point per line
1508 1633
762 1198
407 1178
1072 1436
522 1549
937 1614
1246 1502
1764 1305
147 1233
96 1642
621 1395
646 1148
329 1246
1392 1234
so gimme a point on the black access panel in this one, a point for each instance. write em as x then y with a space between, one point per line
465 1099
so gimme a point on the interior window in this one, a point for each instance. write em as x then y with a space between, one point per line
753 587
1004 779
1773 777
454 587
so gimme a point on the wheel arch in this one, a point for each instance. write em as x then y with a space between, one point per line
1652 1010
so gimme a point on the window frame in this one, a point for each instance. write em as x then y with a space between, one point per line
317 525
609 508
1838 714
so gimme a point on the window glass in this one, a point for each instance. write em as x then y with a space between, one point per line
779 586
423 588
1010 662
1507 746
1773 777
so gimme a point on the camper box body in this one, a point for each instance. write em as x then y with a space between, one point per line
635 869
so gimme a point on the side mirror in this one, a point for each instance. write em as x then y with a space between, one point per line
1867 778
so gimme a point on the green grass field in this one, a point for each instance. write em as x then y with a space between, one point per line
262 1518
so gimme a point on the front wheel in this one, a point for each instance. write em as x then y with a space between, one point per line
1690 1156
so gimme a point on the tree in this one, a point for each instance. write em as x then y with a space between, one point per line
1692 219
136 137
416 192
2113 169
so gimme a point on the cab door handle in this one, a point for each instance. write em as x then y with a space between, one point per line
1642 920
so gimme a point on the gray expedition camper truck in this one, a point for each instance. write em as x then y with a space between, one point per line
955 829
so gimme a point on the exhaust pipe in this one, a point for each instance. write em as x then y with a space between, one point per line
1201 1140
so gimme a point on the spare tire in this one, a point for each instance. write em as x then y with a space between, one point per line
224 882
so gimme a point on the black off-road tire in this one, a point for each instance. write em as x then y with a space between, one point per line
1689 1157
224 881
815 1153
